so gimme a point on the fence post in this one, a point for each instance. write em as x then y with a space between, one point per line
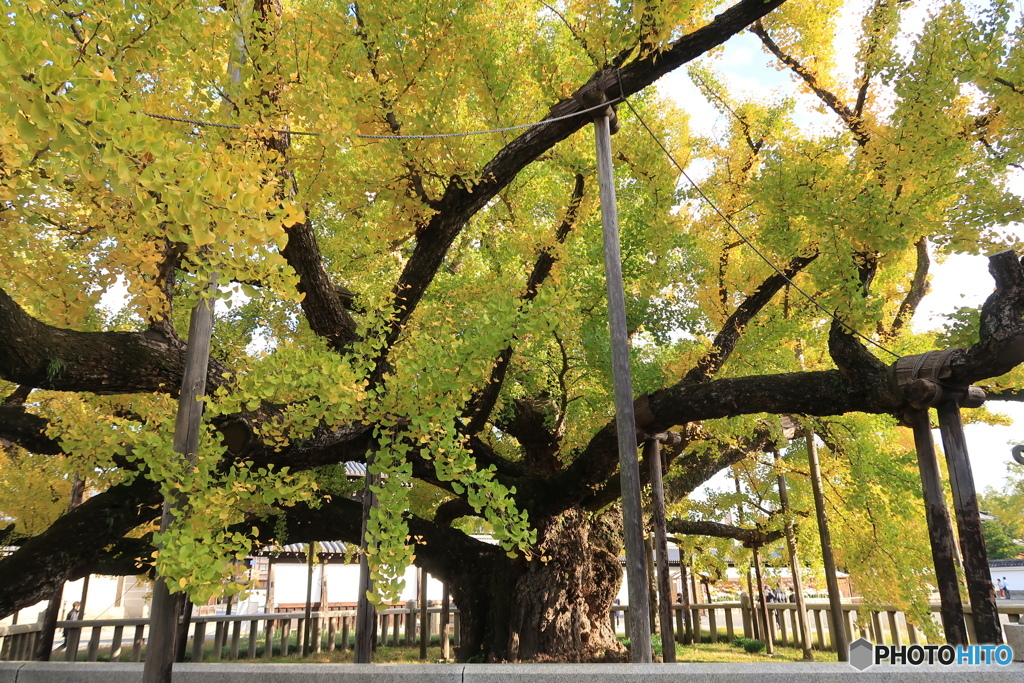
268 639
198 641
254 628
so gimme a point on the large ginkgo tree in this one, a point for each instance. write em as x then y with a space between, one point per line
436 304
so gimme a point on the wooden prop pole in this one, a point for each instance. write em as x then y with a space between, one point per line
366 615
166 608
835 598
625 424
940 529
652 453
968 522
794 564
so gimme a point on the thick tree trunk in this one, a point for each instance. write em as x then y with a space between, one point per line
553 607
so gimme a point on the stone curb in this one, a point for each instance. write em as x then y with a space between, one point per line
96 672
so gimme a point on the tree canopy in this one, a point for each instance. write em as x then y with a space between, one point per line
436 304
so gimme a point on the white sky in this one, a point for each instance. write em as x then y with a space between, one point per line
961 280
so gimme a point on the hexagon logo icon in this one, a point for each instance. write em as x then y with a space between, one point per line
862 654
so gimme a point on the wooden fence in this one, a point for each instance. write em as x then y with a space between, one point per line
881 624
328 631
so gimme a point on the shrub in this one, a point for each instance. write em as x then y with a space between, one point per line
754 646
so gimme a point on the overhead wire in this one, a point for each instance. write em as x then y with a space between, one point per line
421 136
604 105
744 238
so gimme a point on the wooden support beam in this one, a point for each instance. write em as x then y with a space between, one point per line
794 564
968 522
365 613
161 649
652 453
625 424
835 599
940 529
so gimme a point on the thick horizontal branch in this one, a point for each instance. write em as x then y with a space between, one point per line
24 429
35 354
74 542
702 528
440 550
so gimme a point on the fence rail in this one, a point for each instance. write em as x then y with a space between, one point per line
217 637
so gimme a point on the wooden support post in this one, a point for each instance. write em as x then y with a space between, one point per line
183 626
165 609
652 585
625 424
751 613
236 637
968 522
44 642
446 652
137 642
940 529
684 592
306 646
652 453
835 598
365 613
765 618
424 623
794 564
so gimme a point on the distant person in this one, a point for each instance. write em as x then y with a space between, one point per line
1006 589
74 614
1000 587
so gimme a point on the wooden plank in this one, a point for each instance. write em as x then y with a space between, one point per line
818 628
332 633
198 642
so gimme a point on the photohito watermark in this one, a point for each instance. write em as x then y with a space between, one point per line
864 653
